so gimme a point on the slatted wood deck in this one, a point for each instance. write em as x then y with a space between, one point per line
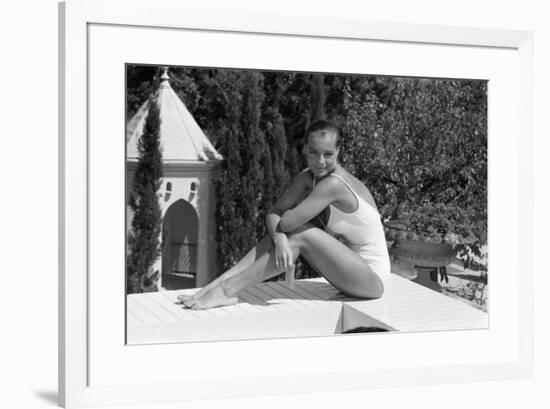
310 307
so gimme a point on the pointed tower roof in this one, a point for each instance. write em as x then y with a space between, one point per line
181 138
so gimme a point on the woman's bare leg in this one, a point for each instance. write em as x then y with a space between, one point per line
342 267
253 254
224 290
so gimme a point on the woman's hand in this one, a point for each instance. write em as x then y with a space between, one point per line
284 260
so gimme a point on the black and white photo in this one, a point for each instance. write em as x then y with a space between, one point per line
269 204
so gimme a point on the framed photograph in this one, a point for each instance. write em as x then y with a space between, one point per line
185 137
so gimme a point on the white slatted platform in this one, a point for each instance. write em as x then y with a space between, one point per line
312 307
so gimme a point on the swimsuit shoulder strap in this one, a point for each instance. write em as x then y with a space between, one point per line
345 183
359 198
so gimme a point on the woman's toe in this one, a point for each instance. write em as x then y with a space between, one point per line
190 303
183 297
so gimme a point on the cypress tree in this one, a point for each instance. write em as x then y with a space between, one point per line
229 215
275 135
318 97
143 239
292 159
295 109
266 195
280 148
276 146
252 148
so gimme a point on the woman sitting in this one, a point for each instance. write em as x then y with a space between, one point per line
349 250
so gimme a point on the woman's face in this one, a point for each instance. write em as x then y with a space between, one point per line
321 153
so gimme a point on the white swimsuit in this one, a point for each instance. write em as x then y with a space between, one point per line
362 232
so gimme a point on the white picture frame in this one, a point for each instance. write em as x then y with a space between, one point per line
77 384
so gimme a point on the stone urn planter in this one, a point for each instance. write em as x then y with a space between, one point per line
424 253
410 250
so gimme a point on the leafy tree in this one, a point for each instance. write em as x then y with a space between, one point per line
424 156
143 239
436 133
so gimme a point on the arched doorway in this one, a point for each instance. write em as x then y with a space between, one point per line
179 246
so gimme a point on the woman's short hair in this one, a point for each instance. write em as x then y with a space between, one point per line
323 126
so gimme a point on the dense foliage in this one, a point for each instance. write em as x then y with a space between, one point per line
144 237
420 145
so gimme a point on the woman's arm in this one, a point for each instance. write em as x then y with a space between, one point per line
290 198
325 192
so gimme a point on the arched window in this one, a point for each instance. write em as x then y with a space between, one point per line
169 186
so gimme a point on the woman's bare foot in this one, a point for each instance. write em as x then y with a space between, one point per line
214 297
187 298
184 298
